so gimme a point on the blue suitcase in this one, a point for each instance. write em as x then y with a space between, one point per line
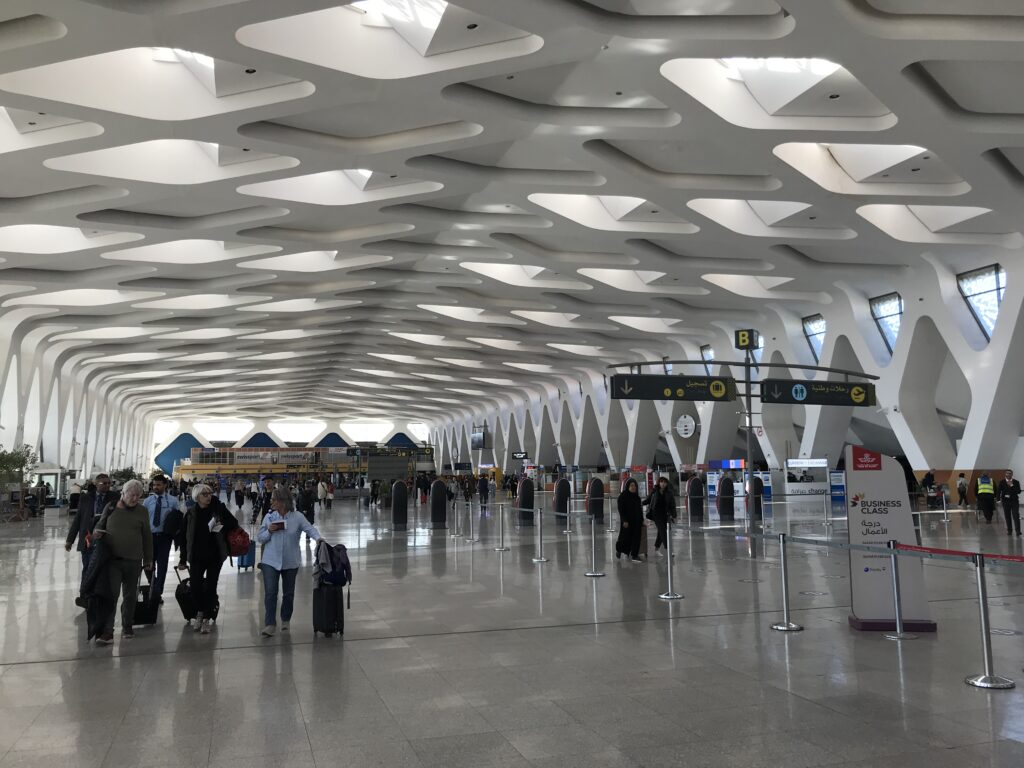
248 560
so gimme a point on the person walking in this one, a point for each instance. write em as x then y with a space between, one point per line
482 489
90 507
280 534
961 490
321 495
631 517
261 504
985 496
164 521
1008 493
204 548
125 528
239 494
661 508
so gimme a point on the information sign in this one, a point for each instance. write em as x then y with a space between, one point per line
634 386
792 392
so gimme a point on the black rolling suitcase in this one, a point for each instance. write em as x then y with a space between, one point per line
146 609
187 600
329 610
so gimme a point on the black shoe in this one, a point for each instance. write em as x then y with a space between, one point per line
80 602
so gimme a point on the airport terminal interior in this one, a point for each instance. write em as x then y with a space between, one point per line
606 383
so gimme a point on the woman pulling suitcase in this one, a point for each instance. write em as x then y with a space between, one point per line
204 547
280 533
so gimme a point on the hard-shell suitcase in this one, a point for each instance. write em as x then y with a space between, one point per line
248 560
146 609
328 610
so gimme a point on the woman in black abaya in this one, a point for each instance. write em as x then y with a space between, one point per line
631 519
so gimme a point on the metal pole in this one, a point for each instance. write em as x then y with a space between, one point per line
897 598
540 537
457 529
501 530
989 679
568 513
611 523
472 539
828 508
945 507
748 358
786 625
670 593
593 572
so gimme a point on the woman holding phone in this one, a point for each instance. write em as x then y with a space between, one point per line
280 533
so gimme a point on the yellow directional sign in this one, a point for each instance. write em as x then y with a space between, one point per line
630 386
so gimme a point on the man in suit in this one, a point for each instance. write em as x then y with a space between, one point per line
90 507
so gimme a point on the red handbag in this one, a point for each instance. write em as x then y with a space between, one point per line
238 542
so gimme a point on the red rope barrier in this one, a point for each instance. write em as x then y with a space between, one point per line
960 553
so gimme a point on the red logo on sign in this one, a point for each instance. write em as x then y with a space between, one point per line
865 460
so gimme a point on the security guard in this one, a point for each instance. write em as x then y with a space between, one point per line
986 496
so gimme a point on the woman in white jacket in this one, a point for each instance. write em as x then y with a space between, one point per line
280 533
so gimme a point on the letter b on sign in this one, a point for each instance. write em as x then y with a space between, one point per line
747 338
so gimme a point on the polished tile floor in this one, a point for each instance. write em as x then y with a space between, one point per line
457 655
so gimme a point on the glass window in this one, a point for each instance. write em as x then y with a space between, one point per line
983 290
759 352
814 331
707 354
887 311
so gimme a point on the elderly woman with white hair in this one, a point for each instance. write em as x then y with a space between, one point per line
204 548
124 525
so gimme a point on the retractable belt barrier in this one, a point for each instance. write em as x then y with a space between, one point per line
894 550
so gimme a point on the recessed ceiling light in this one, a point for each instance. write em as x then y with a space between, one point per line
250 71
472 26
833 95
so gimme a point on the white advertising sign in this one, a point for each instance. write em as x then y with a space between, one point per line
879 512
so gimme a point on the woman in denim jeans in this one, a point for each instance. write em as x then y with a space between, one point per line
279 533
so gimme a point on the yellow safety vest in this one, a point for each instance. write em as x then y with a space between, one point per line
985 487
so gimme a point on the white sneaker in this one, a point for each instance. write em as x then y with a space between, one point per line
284 626
204 628
197 622
268 631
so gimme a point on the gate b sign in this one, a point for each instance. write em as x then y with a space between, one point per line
748 338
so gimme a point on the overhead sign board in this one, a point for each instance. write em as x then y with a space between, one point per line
519 455
806 463
788 391
747 338
633 386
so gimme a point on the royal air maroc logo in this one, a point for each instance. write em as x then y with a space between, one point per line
855 499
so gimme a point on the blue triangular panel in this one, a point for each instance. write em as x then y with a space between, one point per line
332 440
180 448
261 440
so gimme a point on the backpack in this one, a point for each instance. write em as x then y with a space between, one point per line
340 574
238 542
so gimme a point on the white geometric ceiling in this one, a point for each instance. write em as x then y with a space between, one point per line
304 208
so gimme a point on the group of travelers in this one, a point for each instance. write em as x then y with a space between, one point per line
1006 492
121 534
661 510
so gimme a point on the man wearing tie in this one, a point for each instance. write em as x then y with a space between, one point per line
165 520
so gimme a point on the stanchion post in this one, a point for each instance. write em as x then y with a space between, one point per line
472 539
568 515
989 679
457 529
897 598
670 593
540 537
593 572
828 508
611 522
501 530
945 507
786 625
